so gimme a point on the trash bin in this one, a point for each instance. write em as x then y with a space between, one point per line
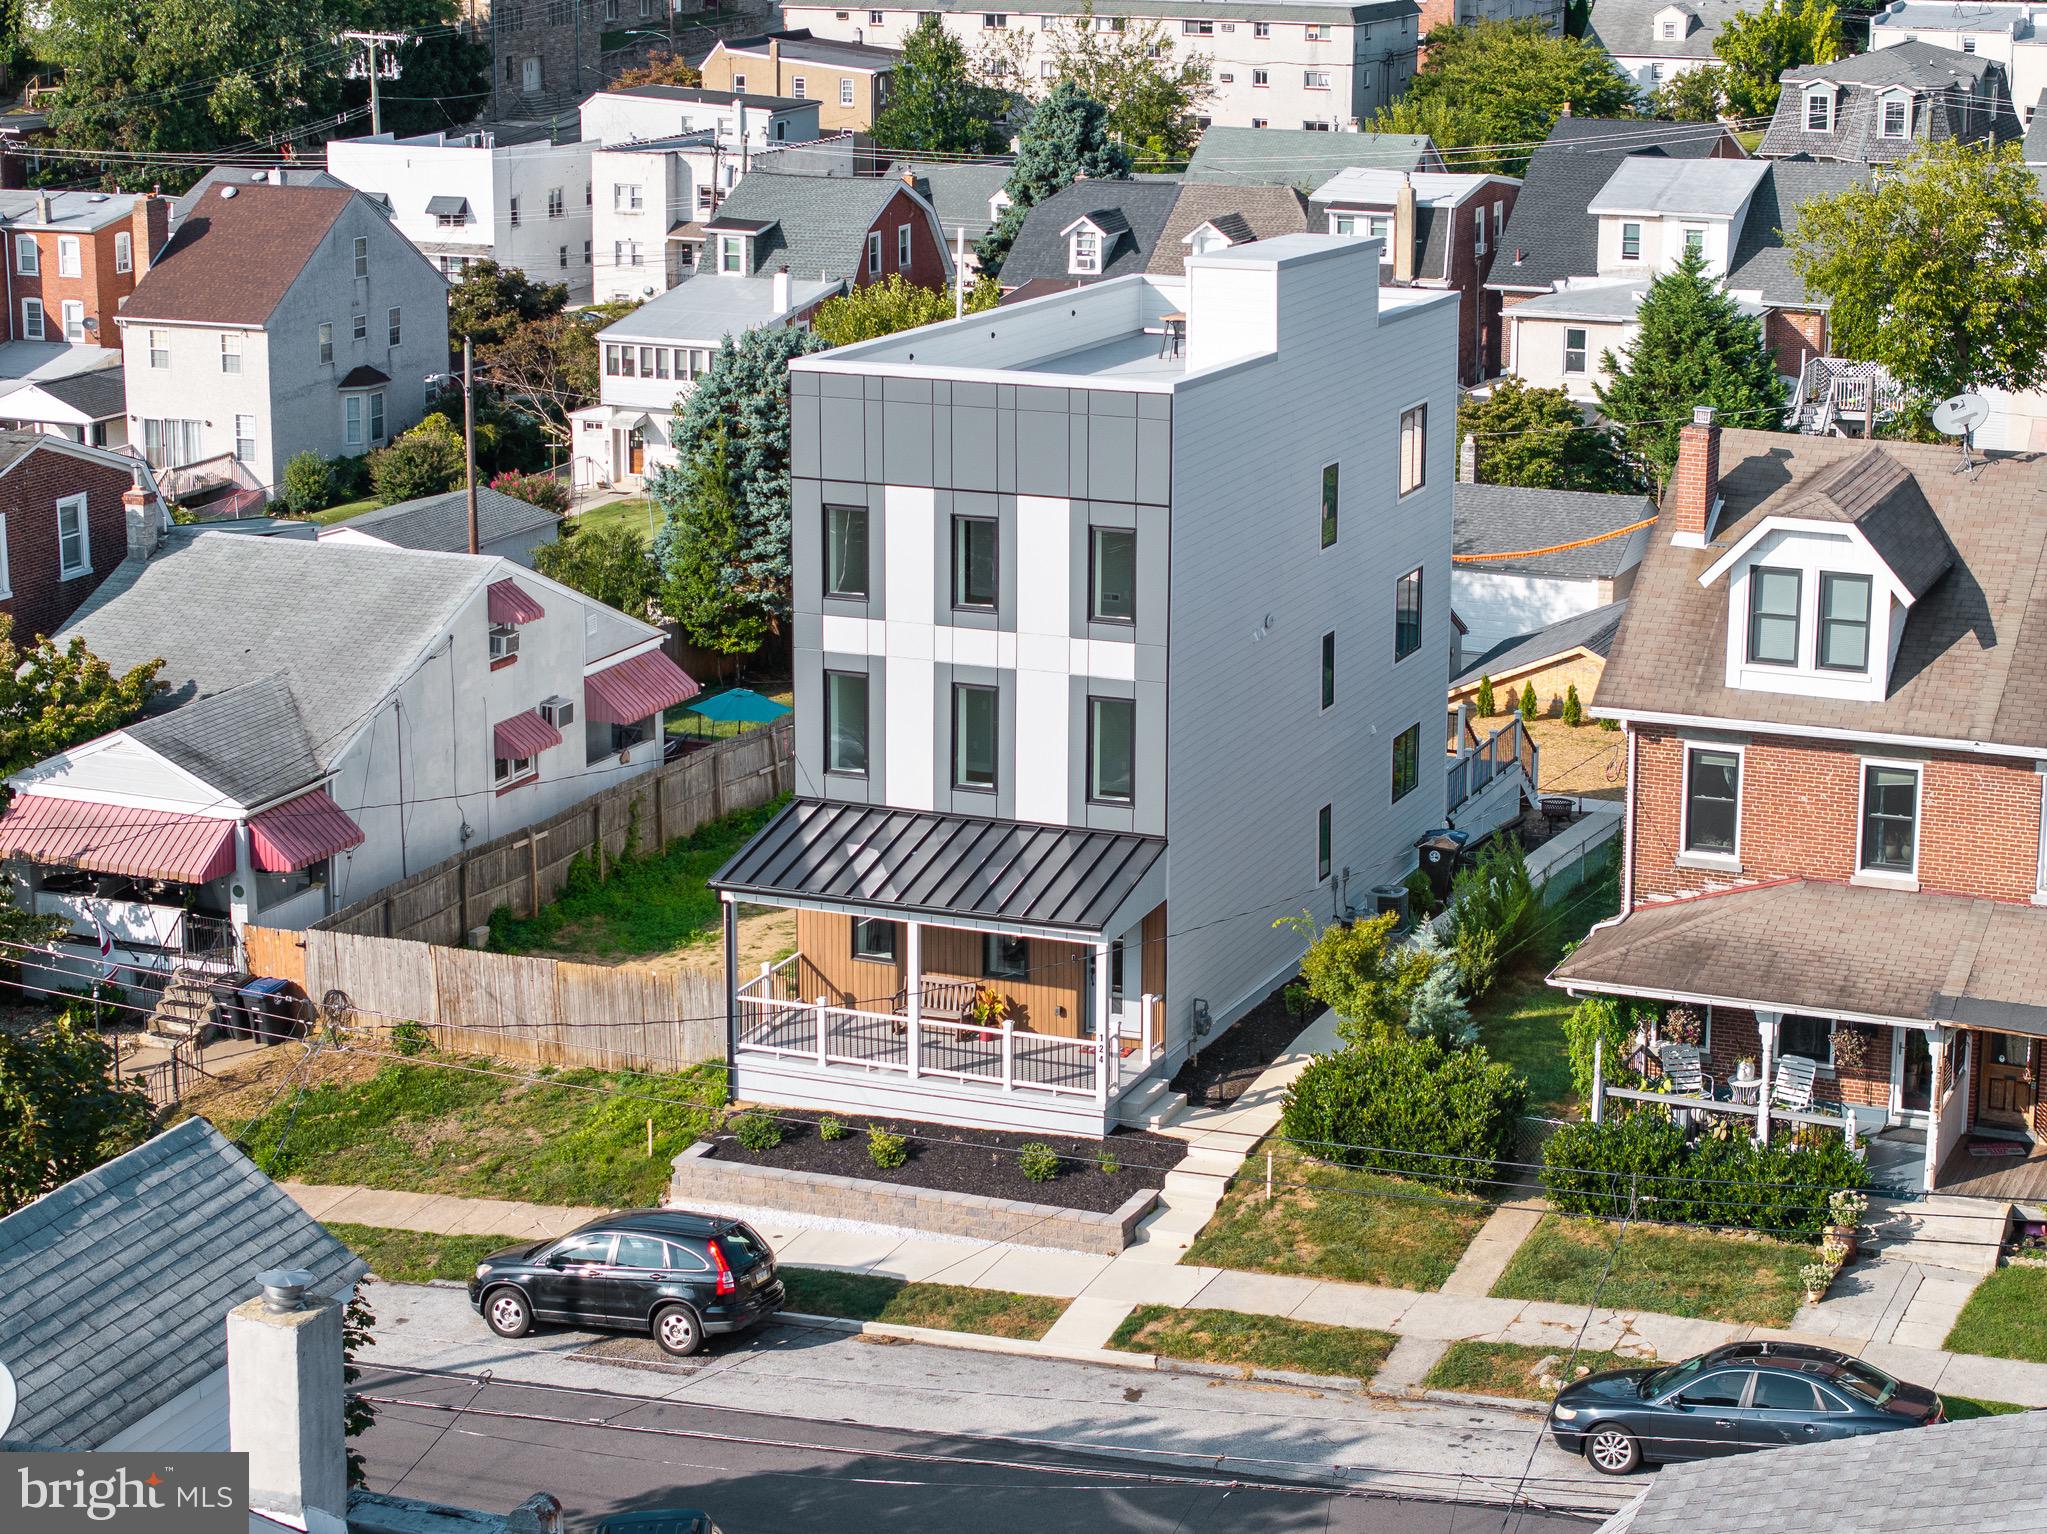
274 1010
1442 853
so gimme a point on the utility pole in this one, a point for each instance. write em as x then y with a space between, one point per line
369 66
469 436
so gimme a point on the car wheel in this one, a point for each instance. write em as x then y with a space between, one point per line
676 1331
1612 1450
507 1313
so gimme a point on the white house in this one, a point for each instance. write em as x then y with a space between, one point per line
653 356
663 111
510 195
2010 33
1526 558
343 715
280 320
1292 64
1016 537
1655 41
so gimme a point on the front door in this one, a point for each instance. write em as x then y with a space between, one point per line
2007 1100
1912 1070
636 452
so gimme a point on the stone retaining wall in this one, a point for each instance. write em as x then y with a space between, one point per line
700 1177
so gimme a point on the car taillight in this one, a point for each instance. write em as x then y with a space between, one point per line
726 1283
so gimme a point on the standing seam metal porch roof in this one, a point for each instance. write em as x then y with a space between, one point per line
932 863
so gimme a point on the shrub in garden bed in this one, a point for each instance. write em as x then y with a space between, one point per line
1353 1106
1719 1178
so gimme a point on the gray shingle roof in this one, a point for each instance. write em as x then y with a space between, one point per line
1254 10
1972 662
116 1283
1874 493
960 193
1303 158
1942 80
706 97
248 175
337 624
1627 28
1500 519
1550 228
798 46
440 523
249 742
820 222
1592 631
101 393
1241 212
1040 248
1762 255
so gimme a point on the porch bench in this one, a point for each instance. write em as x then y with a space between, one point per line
943 998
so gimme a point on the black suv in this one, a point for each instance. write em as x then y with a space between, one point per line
681 1276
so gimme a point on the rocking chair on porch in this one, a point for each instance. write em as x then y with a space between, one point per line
1792 1090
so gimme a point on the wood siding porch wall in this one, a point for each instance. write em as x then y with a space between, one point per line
1048 1000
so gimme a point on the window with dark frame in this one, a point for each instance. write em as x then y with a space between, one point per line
845 551
1712 800
1407 761
1329 500
1890 816
1576 349
1322 843
1414 448
845 722
973 736
1812 1037
874 939
1631 242
1004 957
1407 615
1773 616
1112 750
976 543
1844 622
1112 574
1329 669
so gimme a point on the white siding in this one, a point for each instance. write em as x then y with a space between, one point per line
1497 607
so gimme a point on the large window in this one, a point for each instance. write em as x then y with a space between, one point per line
1844 622
1575 349
1322 835
167 444
74 551
1890 819
1407 615
1773 617
1329 669
975 541
1712 800
1812 1037
1414 448
1112 574
874 940
1004 957
1329 499
1407 761
845 722
845 551
1112 750
973 736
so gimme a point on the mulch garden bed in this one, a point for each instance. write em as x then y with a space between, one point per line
982 1161
1227 1066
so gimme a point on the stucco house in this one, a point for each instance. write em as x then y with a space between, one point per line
1523 558
849 81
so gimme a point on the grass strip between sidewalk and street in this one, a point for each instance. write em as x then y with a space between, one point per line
2005 1318
1969 1408
1699 1273
1253 1342
944 1307
415 1256
1509 1368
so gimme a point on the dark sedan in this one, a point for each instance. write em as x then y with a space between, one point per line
1747 1395
679 1276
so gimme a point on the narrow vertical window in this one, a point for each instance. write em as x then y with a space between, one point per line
845 551
1112 574
74 552
975 560
973 736
1407 761
1322 838
1414 448
1329 500
845 722
1329 669
1112 750
1407 615
1844 622
1773 617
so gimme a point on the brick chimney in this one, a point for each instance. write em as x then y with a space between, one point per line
1695 485
151 228
1467 460
144 519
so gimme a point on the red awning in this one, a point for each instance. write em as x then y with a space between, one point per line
118 838
524 735
633 689
296 834
511 603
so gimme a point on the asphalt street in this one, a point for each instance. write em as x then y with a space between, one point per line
794 1428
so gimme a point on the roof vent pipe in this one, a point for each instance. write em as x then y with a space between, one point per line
284 1289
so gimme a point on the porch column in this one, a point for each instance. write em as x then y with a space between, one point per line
1102 1043
913 989
241 893
1766 1031
1936 1101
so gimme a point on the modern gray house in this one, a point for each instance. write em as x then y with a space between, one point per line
1120 623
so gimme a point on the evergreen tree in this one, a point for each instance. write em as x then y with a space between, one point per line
706 590
1485 701
1538 438
1153 97
1529 707
935 104
1066 139
1574 709
1693 347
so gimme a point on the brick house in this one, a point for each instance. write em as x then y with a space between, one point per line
62 527
1831 685
72 260
849 81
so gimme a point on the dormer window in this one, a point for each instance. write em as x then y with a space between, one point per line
1084 253
1773 617
1819 109
1844 622
1897 116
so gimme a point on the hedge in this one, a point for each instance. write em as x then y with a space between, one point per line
1354 1106
1717 1179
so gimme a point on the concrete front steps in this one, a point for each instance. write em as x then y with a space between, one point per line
1153 1105
1940 1231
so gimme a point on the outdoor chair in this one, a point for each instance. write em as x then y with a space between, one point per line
1792 1090
1682 1066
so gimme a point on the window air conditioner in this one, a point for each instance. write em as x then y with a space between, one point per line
559 712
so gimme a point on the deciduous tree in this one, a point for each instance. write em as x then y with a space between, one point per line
1153 98
491 301
1067 138
61 1114
1693 95
1938 270
1539 438
896 303
936 105
547 368
427 460
1758 46
610 565
53 697
664 69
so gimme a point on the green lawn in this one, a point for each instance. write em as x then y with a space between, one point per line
649 905
1678 1272
637 512
1508 1368
1337 1222
947 1307
418 1127
345 510
414 1256
1258 1342
2006 1317
1968 1408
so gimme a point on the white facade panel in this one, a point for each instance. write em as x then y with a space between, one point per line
909 772
1041 746
910 519
854 636
1044 558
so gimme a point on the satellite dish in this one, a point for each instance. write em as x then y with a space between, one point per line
1961 415
8 1400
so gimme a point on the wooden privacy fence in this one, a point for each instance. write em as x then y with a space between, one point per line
513 1007
525 869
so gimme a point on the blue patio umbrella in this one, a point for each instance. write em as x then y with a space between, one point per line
740 705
